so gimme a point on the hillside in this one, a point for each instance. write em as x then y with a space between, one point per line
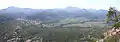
69 24
69 12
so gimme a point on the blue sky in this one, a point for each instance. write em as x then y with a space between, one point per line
46 4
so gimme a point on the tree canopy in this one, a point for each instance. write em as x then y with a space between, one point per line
113 17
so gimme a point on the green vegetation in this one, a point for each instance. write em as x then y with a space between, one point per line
113 16
74 32
52 25
113 19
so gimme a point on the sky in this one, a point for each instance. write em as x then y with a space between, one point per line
50 4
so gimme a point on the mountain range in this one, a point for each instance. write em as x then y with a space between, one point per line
49 14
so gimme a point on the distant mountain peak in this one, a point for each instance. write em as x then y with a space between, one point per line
12 7
71 7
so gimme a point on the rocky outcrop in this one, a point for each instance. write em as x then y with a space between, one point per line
112 35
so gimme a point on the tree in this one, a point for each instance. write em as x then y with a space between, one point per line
6 27
113 17
113 34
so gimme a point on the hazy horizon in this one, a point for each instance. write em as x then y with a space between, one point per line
50 4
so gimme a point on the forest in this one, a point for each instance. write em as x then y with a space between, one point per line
70 24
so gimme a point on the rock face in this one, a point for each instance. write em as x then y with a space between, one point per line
112 35
29 40
112 32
